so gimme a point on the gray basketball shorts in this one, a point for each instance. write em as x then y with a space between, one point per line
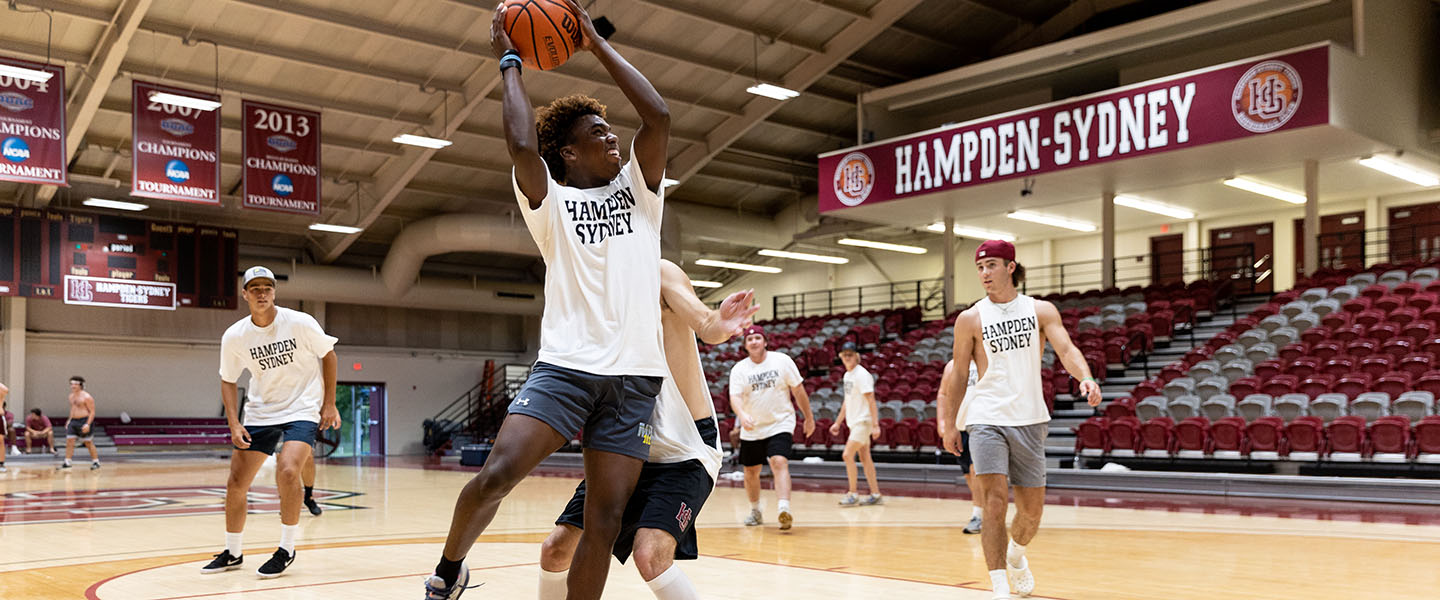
1016 452
613 411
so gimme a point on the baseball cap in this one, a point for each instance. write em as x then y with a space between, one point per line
754 329
848 347
995 249
257 272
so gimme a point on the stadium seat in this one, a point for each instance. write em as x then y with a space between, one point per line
1329 407
1346 438
1254 406
1123 436
1290 406
1427 440
1305 439
1370 406
1218 407
1192 438
1390 439
1265 436
1092 437
1414 405
1157 437
1151 407
1227 438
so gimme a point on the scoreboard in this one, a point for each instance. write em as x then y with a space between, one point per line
39 247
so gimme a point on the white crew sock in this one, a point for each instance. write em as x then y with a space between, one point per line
1015 555
552 584
287 536
976 512
783 506
673 585
1000 583
755 505
232 543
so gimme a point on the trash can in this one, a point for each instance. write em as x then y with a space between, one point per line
474 455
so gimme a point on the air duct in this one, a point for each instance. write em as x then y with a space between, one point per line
450 233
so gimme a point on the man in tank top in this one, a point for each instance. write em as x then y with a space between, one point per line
1005 414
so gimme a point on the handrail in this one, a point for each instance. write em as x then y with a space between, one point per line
477 412
899 294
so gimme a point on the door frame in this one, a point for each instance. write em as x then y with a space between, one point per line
382 430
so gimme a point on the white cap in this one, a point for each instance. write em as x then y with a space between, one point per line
257 272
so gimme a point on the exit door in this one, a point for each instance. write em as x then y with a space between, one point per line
362 419
1342 241
1244 254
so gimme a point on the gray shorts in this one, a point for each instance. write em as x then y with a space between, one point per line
613 412
1016 452
73 427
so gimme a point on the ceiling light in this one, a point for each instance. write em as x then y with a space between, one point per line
705 262
346 229
185 101
772 91
1399 170
1255 187
882 246
706 284
667 182
420 140
1053 221
971 232
24 73
1154 207
115 204
834 260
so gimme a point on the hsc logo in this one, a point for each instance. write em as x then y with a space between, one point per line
282 185
280 143
14 149
15 102
1266 96
177 172
81 291
177 127
854 178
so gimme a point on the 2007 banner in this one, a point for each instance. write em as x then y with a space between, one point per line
176 154
281 159
32 125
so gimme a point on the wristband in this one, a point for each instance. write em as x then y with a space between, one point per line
1089 379
509 61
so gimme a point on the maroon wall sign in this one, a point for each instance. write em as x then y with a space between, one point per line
32 126
282 158
1248 98
122 293
176 154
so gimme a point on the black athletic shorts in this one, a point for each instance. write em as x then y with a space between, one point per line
667 497
755 452
613 410
965 460
264 438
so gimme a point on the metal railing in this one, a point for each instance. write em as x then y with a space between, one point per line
1395 244
928 294
476 415
1236 262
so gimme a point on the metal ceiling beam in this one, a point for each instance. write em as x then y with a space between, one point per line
718 19
386 148
1054 28
1002 8
935 41
846 42
98 73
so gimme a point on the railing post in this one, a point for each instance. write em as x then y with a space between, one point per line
1062 278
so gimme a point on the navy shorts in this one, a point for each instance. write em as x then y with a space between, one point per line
265 438
965 460
756 452
75 427
667 497
612 410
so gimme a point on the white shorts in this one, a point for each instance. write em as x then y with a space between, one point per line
860 432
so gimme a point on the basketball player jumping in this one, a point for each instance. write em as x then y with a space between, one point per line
596 220
1006 417
79 426
685 453
292 395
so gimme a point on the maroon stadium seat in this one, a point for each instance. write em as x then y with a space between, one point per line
1265 434
1305 434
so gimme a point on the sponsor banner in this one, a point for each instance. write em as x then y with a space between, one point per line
120 293
1228 102
282 159
32 126
176 154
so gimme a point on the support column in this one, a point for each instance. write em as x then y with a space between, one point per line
948 276
1375 220
1107 240
1191 265
12 319
1311 243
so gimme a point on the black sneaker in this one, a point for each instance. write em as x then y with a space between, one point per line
313 506
94 465
63 466
275 567
223 562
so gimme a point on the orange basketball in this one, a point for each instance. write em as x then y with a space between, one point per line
545 32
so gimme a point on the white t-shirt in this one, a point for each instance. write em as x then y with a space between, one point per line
765 390
286 383
858 382
600 316
676 437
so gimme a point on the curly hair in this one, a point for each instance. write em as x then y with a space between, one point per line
555 123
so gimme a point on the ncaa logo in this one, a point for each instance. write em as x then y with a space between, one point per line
15 102
177 172
282 185
14 149
1266 96
854 178
177 127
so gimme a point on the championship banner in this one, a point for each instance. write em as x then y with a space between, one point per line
119 293
1227 102
32 126
176 154
281 159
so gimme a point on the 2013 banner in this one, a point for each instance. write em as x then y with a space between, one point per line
176 154
32 125
281 159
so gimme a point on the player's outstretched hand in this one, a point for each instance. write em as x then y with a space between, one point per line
587 28
736 311
1091 391
239 436
329 418
499 41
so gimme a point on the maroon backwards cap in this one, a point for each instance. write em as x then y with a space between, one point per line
995 249
753 329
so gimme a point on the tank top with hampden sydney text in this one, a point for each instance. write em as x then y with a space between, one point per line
1009 391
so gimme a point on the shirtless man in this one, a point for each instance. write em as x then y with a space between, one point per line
82 415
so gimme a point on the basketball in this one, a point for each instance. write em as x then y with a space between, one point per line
545 32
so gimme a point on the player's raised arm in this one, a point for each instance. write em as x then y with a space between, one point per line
521 138
713 326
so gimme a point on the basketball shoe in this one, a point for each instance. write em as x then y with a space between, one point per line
223 562
275 567
435 588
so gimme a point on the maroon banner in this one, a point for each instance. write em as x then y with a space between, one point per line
121 293
1227 102
282 159
176 154
32 126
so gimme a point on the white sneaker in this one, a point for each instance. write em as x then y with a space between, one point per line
754 518
1022 581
